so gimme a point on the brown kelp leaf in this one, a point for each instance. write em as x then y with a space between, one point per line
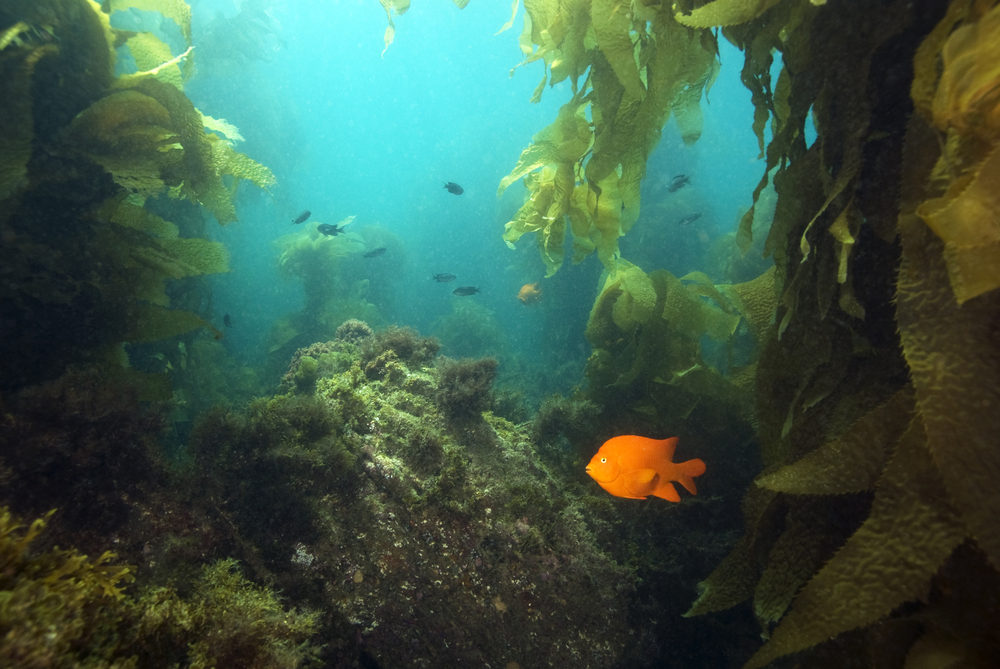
645 66
227 160
968 95
852 462
222 127
636 296
954 362
734 579
151 54
130 134
151 322
17 68
887 562
547 167
391 7
565 140
614 38
806 542
724 13
176 10
965 218
514 5
200 180
154 252
687 312
756 300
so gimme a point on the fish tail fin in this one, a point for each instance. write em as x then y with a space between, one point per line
687 470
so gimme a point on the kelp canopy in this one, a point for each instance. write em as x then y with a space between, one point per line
86 154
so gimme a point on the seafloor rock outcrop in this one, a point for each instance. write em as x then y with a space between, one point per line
427 541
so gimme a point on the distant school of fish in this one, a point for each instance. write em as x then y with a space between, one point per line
530 293
626 466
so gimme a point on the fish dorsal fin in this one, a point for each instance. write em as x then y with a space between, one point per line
641 482
668 446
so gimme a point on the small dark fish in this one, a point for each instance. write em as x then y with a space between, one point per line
690 218
374 252
454 188
444 277
227 321
462 291
302 218
329 229
678 182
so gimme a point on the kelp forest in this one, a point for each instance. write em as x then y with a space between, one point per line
368 498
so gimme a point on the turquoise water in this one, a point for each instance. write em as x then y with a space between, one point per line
351 131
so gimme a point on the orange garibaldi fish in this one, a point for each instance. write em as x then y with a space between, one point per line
636 467
529 293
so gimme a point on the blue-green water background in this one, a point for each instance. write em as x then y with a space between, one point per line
349 131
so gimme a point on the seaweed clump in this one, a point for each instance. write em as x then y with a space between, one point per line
83 443
62 608
311 362
353 331
406 343
464 386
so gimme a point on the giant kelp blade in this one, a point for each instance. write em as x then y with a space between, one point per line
152 322
966 219
810 534
724 13
613 35
952 353
17 68
734 579
967 97
176 10
887 562
853 461
228 160
947 303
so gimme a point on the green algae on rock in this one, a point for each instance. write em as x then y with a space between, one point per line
421 524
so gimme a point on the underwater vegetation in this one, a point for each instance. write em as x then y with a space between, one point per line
426 540
629 72
338 281
874 390
382 509
870 371
88 154
62 608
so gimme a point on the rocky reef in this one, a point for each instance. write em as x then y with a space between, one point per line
425 528
376 511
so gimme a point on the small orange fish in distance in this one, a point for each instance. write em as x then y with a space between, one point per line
636 467
529 293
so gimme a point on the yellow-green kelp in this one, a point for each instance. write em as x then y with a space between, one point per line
86 156
630 71
869 534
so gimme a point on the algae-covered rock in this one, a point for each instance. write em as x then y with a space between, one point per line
425 527
64 609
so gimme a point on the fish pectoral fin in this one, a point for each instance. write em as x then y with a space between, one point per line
641 482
